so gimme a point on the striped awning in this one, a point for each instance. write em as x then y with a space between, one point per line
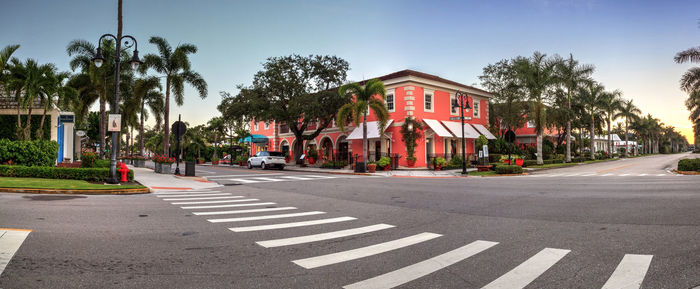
483 130
456 129
437 128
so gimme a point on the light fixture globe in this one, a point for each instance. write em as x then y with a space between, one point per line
135 61
98 59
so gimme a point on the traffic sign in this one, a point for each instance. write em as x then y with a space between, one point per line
510 136
460 118
178 129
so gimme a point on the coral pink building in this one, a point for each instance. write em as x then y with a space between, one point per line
409 94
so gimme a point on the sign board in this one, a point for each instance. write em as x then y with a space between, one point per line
481 154
486 151
115 122
510 136
178 129
80 133
65 118
460 118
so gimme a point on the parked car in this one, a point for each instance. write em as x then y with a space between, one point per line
267 159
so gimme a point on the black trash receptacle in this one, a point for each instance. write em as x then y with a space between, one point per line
189 169
360 167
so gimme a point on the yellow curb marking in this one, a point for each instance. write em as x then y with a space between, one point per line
617 168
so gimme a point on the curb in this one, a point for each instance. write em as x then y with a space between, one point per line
570 166
687 173
328 172
77 192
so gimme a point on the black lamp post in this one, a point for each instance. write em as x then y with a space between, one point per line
99 60
462 102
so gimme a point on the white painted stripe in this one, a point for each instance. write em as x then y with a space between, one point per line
267 217
10 241
624 175
296 178
554 175
324 260
185 193
605 175
243 211
268 179
418 270
214 202
630 272
196 195
571 175
641 175
323 236
201 198
529 270
228 206
251 175
245 181
660 175
291 225
588 175
319 177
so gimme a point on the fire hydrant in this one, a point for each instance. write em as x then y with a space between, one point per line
123 170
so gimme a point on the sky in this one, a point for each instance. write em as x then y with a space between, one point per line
630 43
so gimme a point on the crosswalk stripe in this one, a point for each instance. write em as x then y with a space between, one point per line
588 175
195 195
554 175
268 179
229 176
228 206
184 193
624 175
418 270
571 175
528 271
291 225
214 202
245 181
324 260
296 178
201 198
10 241
243 219
630 273
641 175
243 211
605 175
660 175
323 236
320 177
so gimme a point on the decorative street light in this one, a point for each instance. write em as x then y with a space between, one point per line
461 101
98 60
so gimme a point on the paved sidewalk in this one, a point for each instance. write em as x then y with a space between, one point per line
149 178
399 172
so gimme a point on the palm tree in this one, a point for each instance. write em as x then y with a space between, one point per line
216 128
537 76
175 66
56 87
690 83
693 105
36 84
630 113
145 94
572 75
610 105
371 96
591 98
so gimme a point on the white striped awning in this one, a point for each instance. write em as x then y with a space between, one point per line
456 129
437 128
482 130
372 130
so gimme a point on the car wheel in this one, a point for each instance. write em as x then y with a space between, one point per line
250 166
281 167
262 166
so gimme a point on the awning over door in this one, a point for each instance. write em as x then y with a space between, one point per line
256 138
482 130
437 128
372 130
456 129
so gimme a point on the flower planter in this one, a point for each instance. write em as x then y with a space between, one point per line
140 163
438 167
158 167
387 167
519 162
411 163
311 161
372 168
165 168
214 163
201 161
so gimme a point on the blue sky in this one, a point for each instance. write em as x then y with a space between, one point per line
631 43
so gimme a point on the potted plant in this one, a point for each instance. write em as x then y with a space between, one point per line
372 167
189 167
286 157
384 163
411 160
410 133
154 158
200 161
215 160
312 155
439 162
241 160
139 161
163 164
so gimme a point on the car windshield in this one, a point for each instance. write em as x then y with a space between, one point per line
276 154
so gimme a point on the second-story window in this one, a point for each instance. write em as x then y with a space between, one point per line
453 109
284 128
476 109
267 125
530 123
429 101
390 102
255 125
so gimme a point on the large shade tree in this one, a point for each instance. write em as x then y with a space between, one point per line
571 75
509 107
371 96
175 66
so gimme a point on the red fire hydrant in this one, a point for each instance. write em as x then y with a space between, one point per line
123 170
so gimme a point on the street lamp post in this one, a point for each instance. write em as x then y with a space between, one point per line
99 60
462 101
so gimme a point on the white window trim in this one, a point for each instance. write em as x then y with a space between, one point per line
267 125
255 125
452 98
528 124
391 91
476 113
432 99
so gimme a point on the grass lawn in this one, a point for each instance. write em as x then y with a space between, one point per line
36 183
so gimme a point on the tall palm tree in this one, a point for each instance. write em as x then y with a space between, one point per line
610 105
592 97
537 75
630 113
145 94
56 87
572 75
216 128
370 96
36 85
14 86
690 83
175 66
693 105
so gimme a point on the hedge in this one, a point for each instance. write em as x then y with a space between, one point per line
509 169
86 174
689 165
28 153
9 126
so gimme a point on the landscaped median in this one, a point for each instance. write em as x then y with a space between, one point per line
689 166
63 186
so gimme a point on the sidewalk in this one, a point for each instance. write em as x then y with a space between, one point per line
394 173
149 178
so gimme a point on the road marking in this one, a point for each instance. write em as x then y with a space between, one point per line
607 175
320 177
10 241
660 175
323 236
296 178
617 168
197 195
245 181
418 270
184 193
324 260
571 175
624 175
229 206
243 219
554 175
641 175
268 179
630 272
251 175
528 271
214 202
291 225
243 211
201 198
588 175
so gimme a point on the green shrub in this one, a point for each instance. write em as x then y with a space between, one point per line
87 160
493 158
508 169
383 162
528 163
86 174
28 153
334 165
689 165
439 161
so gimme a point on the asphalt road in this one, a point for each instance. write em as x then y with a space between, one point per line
604 225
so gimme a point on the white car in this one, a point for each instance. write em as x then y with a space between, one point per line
267 159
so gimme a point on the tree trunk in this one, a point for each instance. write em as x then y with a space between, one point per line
627 140
610 153
166 119
540 160
18 131
216 145
592 137
103 128
364 140
568 139
298 149
27 127
141 133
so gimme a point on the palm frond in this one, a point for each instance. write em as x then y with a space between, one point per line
688 55
196 81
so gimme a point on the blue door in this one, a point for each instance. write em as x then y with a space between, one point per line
60 141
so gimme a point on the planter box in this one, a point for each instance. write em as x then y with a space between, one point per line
214 163
189 169
140 163
165 168
157 169
372 168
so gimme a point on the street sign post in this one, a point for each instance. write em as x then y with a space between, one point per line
510 138
460 118
178 128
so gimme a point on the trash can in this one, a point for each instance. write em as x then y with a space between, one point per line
189 169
